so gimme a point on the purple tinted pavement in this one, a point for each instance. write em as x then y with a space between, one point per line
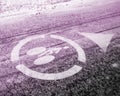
100 75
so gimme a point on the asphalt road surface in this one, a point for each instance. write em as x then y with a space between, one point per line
95 29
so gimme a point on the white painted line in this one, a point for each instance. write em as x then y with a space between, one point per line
49 76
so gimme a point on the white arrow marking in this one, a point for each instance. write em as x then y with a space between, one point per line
102 40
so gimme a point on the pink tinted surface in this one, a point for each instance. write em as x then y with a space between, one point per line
93 24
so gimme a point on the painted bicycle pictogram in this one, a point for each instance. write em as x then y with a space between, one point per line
46 55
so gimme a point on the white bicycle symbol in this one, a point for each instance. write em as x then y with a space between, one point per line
49 57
